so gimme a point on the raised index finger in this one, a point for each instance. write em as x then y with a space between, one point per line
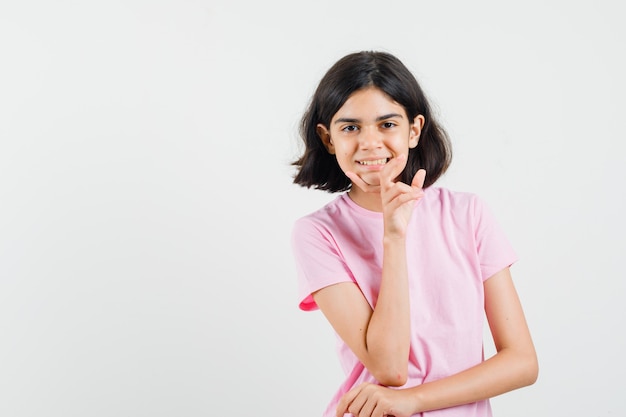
392 169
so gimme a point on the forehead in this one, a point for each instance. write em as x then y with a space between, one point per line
369 103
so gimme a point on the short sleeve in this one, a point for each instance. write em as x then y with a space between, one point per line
494 249
318 260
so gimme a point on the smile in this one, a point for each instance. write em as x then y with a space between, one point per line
381 161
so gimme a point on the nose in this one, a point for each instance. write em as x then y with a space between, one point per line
370 138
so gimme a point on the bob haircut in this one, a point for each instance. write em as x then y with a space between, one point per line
319 169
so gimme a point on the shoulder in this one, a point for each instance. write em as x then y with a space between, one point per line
452 201
322 219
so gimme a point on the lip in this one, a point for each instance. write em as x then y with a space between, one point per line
371 162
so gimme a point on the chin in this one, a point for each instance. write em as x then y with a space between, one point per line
371 179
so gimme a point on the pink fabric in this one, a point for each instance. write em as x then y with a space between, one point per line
453 245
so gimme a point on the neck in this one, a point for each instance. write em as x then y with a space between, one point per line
369 201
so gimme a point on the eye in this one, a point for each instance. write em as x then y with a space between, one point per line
350 128
388 125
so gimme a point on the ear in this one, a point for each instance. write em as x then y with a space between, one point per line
324 135
416 130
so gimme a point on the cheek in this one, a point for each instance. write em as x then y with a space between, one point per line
344 160
346 157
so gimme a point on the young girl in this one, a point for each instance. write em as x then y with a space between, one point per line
405 272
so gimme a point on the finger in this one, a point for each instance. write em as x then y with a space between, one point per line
346 401
393 169
380 411
418 179
392 191
367 410
402 199
356 180
396 199
359 404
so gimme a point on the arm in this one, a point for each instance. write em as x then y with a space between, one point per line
513 366
380 337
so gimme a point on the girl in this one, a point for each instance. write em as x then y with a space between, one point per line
403 271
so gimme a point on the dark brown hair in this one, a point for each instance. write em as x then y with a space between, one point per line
318 168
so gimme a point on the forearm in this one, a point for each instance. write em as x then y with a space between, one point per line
507 370
388 333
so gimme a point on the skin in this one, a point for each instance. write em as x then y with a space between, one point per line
371 126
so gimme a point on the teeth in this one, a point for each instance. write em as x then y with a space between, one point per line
375 162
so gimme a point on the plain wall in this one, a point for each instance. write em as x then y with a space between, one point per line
146 200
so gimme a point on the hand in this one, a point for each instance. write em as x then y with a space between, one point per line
371 400
398 199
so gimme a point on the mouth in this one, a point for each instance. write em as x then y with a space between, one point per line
381 161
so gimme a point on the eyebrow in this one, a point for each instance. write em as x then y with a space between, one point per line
378 119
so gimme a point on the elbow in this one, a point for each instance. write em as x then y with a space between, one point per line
529 371
389 368
391 378
533 371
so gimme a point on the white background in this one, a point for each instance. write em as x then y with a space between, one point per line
146 199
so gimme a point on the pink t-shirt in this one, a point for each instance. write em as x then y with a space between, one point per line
453 245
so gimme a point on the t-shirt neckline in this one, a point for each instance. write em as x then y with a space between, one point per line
361 210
